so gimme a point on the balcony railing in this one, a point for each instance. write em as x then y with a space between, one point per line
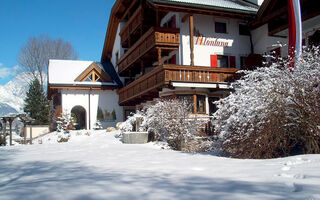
161 37
163 75
132 25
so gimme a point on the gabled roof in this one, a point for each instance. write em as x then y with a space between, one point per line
94 68
72 72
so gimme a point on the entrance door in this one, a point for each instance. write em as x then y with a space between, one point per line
79 117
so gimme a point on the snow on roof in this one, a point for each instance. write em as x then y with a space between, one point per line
66 71
228 4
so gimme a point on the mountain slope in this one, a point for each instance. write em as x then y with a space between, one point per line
12 94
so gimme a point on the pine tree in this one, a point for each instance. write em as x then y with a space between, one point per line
36 103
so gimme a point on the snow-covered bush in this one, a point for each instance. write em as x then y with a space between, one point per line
129 124
274 111
64 123
168 120
63 138
97 125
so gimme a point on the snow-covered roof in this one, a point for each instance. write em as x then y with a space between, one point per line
224 4
65 72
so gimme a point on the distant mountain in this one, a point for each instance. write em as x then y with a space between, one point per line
6 109
12 94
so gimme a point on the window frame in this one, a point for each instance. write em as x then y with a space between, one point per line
245 33
221 23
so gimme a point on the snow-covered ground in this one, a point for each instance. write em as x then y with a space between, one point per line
98 166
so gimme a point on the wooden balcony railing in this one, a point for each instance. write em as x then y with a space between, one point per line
192 74
163 75
155 36
132 25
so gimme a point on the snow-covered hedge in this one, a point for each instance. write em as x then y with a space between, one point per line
167 120
274 111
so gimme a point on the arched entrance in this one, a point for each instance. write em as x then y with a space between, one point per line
79 117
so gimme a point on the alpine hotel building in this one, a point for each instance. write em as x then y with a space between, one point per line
189 49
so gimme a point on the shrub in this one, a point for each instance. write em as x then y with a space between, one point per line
97 125
167 120
64 123
274 111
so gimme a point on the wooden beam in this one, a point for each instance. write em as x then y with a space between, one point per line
10 125
185 18
158 18
93 87
269 17
128 10
159 57
191 28
195 103
30 132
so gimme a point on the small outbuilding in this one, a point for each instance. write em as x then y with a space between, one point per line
87 90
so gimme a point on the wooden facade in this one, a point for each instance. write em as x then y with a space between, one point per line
165 38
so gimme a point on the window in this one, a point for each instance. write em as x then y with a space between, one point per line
128 113
220 27
171 23
243 62
244 29
201 102
223 61
172 60
93 77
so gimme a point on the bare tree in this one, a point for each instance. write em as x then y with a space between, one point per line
34 56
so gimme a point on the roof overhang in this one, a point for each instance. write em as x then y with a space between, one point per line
180 6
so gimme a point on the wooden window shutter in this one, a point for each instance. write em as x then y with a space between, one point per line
232 61
173 21
214 61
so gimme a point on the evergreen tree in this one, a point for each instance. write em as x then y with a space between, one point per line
36 103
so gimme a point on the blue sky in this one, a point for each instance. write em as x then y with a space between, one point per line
81 22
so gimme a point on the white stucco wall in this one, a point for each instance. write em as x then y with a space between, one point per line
240 44
263 43
107 100
37 130
117 48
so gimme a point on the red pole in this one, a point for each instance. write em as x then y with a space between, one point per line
295 30
292 32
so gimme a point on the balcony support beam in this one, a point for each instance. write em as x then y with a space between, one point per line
159 57
191 28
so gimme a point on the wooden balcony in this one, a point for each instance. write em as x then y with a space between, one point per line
165 38
147 86
133 25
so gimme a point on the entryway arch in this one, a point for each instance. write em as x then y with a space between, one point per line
79 117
